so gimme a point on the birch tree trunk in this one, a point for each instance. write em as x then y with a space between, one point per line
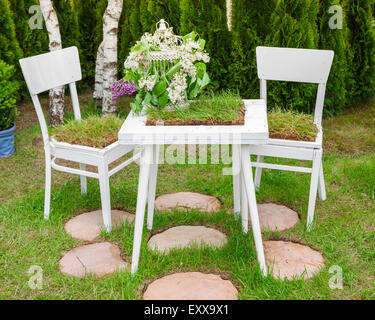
109 46
229 14
98 91
56 95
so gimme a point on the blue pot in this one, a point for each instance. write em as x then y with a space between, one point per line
7 142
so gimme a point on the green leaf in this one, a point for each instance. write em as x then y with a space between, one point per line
136 107
159 88
154 100
202 44
137 47
147 99
204 81
163 100
194 90
192 35
138 97
201 69
172 71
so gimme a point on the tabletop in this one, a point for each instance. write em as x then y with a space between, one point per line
254 131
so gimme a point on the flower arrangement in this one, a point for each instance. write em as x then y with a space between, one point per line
166 69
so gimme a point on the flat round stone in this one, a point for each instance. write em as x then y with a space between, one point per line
87 226
98 259
191 286
186 236
274 217
292 260
187 201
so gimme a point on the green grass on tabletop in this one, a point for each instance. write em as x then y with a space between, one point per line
209 107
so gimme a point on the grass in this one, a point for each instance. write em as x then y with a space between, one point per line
93 131
210 109
290 125
227 109
344 231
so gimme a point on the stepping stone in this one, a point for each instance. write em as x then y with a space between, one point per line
274 217
292 260
97 258
87 226
186 236
187 201
191 286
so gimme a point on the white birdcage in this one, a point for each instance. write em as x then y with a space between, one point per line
169 43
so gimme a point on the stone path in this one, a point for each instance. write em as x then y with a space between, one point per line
87 226
186 236
274 217
187 201
191 286
98 259
290 260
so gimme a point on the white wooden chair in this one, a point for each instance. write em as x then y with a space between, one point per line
295 65
51 70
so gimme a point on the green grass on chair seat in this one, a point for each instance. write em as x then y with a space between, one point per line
94 131
291 125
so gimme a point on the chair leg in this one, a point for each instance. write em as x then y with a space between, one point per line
247 176
83 179
144 173
152 188
244 208
105 195
317 162
47 192
258 173
322 185
236 165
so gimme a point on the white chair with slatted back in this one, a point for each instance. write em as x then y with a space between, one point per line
55 69
305 66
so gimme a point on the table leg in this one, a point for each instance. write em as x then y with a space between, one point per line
236 165
244 207
144 173
247 176
152 187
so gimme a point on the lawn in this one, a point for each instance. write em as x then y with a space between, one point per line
344 231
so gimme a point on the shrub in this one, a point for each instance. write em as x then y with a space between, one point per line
8 93
245 39
293 25
336 40
87 23
359 21
32 42
208 18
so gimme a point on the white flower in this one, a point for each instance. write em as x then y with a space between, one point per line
188 67
148 83
176 89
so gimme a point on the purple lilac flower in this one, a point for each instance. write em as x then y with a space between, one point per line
121 88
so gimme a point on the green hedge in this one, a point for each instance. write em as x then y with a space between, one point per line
8 94
285 23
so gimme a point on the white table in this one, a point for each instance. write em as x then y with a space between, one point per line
253 132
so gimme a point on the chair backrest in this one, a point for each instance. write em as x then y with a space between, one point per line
51 70
295 65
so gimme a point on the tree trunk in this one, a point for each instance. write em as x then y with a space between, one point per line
56 95
98 91
229 14
110 30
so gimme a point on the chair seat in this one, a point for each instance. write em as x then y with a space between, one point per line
94 131
287 128
88 155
